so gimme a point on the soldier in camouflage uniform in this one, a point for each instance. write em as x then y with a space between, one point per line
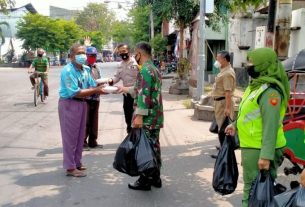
148 112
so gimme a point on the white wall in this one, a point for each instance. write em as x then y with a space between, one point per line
297 37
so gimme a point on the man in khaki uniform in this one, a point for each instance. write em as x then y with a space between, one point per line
223 89
127 72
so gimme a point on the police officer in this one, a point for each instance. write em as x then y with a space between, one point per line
127 72
148 110
223 90
261 112
93 103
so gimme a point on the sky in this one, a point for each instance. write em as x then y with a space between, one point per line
42 6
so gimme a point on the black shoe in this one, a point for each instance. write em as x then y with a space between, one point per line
217 147
97 146
140 184
214 156
279 188
157 183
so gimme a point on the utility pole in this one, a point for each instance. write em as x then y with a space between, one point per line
201 52
282 29
151 18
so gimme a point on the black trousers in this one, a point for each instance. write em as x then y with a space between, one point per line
92 122
128 110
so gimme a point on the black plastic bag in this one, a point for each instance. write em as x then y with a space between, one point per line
222 133
124 160
214 127
136 154
299 200
145 154
225 174
262 191
286 199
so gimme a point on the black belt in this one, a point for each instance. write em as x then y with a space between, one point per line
219 98
79 99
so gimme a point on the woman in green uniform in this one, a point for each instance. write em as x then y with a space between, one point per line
261 112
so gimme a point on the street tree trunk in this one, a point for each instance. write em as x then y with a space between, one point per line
181 42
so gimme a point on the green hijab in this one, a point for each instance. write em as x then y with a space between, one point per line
271 71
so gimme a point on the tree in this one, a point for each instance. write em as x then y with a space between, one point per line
96 18
158 44
52 35
183 12
139 24
4 4
122 32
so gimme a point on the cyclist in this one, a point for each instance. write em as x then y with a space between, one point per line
41 64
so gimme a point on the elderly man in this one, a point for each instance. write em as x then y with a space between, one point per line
76 83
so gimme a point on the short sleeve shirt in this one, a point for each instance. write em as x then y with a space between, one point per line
127 72
72 80
224 81
40 65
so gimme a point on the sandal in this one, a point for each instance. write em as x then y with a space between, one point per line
75 173
81 168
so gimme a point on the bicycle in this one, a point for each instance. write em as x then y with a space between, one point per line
38 88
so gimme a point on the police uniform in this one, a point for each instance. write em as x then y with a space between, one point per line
224 81
127 72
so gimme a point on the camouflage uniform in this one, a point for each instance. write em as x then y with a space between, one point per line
148 103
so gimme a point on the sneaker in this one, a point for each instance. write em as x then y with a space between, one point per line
33 87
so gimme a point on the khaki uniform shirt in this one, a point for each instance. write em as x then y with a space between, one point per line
224 81
127 72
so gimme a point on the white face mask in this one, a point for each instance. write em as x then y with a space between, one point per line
217 64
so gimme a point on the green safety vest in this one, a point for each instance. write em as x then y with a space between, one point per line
250 124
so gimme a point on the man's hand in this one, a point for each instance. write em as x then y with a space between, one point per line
122 89
100 90
230 130
138 121
263 164
302 178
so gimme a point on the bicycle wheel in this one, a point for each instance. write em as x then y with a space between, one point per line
36 94
41 93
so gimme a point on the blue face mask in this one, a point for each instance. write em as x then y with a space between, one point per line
81 59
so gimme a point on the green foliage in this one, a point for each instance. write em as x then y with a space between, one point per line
5 4
183 11
52 35
139 24
159 43
96 18
122 32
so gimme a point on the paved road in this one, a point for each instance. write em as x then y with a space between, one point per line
31 154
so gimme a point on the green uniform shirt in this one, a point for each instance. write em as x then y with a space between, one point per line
40 65
270 106
148 97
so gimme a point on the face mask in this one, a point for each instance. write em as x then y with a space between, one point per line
40 55
251 71
91 60
138 60
217 64
124 56
81 59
